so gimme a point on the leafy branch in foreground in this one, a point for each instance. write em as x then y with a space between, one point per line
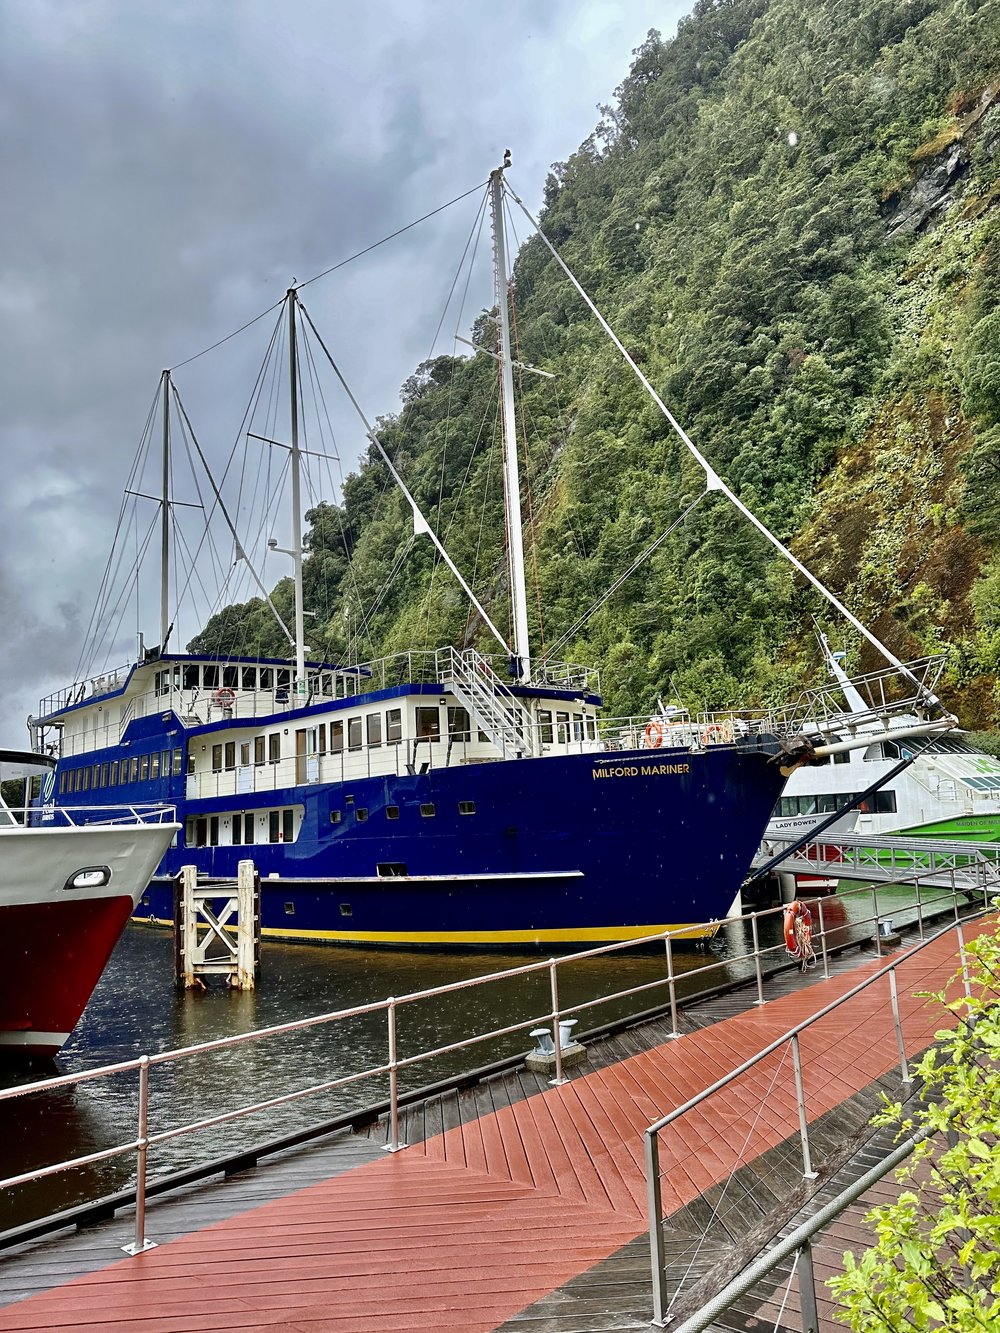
935 1263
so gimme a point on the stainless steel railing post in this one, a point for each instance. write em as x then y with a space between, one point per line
556 1035
800 1095
965 961
875 918
920 910
394 1144
672 983
140 1243
654 1206
756 958
822 940
898 1023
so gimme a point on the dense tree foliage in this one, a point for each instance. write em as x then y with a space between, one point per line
788 215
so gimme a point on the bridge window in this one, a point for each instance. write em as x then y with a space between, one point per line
143 768
545 726
373 725
394 725
266 678
230 677
459 727
249 678
354 733
190 676
428 724
210 677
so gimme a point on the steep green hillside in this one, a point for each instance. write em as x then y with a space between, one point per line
789 215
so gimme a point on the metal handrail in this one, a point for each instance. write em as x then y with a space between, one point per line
389 1006
651 1134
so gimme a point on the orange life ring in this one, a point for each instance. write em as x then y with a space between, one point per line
225 697
798 930
713 735
654 734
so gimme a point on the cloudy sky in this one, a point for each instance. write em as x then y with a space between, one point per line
168 170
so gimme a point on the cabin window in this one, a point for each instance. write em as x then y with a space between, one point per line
354 733
113 779
105 770
213 831
843 758
133 769
373 728
144 768
390 869
288 826
244 833
322 738
178 760
394 725
237 830
428 724
190 677
336 737
210 677
249 678
274 748
361 814
545 726
466 807
216 758
230 677
266 678
392 812
244 754
274 826
258 749
427 810
230 753
884 802
459 728
591 727
62 783
154 764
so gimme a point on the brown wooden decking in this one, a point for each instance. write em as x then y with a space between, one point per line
469 1226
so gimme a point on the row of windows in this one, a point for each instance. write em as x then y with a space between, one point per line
983 784
279 825
880 803
224 754
427 811
115 773
198 676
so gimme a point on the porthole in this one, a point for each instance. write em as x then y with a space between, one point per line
335 816
289 909
392 812
361 814
428 811
466 807
346 909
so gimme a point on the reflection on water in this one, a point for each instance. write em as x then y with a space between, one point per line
136 1010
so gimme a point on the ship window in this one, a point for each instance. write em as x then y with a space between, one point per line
591 727
349 799
373 725
216 758
577 727
178 760
392 812
322 738
390 869
459 728
191 764
354 733
428 724
230 677
258 749
274 748
133 769
884 802
113 775
249 679
266 678
545 726
335 816
210 677
843 758
346 909
283 678
230 752
274 826
213 831
62 783
562 728
287 826
336 737
466 807
237 830
190 677
394 725
244 753
154 764
289 909
105 770
427 810
361 814
144 768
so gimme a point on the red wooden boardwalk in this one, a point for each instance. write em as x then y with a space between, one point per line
466 1229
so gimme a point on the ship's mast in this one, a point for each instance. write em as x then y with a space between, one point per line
512 481
296 550
165 516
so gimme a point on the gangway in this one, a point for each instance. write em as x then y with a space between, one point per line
972 867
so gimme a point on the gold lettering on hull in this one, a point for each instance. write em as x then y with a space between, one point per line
641 770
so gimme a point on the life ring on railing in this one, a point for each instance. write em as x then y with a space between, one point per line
717 733
798 933
225 697
654 734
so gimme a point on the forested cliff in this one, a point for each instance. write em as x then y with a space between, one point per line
790 213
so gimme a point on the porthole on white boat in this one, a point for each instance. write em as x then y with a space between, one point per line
89 877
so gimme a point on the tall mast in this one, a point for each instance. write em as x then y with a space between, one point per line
512 481
165 516
296 551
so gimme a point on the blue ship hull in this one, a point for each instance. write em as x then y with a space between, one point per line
563 850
